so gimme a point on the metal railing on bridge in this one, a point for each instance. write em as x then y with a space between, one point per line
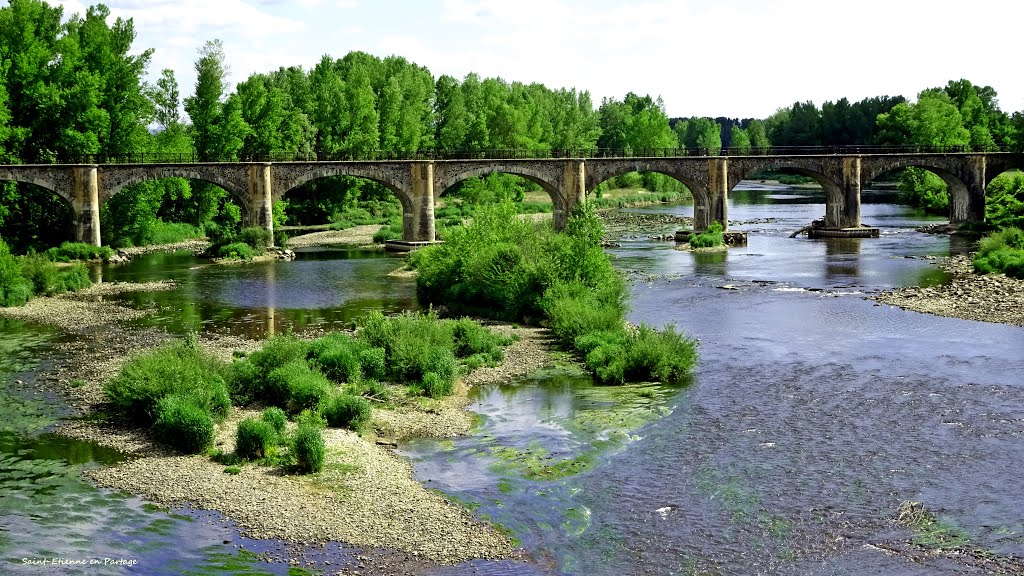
506 154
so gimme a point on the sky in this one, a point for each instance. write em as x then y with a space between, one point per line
733 58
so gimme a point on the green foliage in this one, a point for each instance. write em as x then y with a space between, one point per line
254 438
181 369
1003 252
373 362
236 251
346 411
74 278
387 232
708 238
172 232
435 385
339 357
15 289
42 273
257 237
248 379
924 189
1005 203
276 418
296 386
69 251
183 423
308 445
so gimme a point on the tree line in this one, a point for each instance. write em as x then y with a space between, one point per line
74 88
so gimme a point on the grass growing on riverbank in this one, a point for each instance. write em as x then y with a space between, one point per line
506 268
22 277
1002 251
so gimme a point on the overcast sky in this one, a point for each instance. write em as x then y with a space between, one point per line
736 58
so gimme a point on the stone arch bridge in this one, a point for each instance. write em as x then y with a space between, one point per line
419 183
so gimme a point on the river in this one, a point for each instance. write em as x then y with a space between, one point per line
813 414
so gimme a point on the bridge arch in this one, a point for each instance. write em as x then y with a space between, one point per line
957 185
114 182
290 177
539 177
55 182
997 165
40 217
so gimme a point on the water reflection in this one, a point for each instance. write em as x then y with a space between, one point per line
842 257
319 290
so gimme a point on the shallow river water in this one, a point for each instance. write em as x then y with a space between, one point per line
813 414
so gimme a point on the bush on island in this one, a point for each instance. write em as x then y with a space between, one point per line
181 368
254 438
346 411
709 238
276 418
183 423
308 445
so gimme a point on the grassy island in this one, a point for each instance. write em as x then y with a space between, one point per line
510 269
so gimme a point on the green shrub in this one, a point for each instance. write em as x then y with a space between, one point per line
254 438
346 411
573 309
245 382
69 251
338 357
472 338
503 267
372 389
436 386
296 386
665 355
1003 252
183 423
374 363
74 278
15 289
387 232
709 238
173 232
43 274
180 369
276 418
308 444
259 238
236 251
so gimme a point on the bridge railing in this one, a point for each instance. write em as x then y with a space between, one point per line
507 154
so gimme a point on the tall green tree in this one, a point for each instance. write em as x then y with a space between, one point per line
218 130
931 121
166 99
739 140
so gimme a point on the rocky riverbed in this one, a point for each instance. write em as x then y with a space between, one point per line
968 295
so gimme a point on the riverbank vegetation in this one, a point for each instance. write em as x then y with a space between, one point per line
503 267
1002 251
22 277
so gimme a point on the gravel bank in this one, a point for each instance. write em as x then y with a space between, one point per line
355 236
970 296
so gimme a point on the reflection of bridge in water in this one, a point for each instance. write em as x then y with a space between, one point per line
419 183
